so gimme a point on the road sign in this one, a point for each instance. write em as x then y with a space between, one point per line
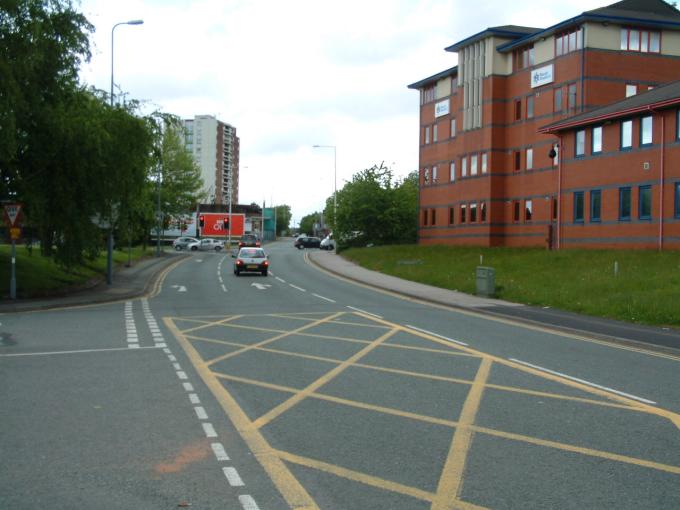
15 233
12 213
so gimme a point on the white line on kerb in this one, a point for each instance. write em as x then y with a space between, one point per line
209 430
437 335
219 451
324 298
248 503
364 311
582 381
233 477
200 412
298 288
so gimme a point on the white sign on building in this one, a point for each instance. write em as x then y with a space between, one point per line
542 76
441 108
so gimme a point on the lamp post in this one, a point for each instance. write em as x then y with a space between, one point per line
109 244
335 180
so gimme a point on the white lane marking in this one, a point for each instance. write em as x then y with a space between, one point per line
167 351
233 477
324 298
364 311
280 279
437 335
51 353
260 286
171 357
159 344
224 288
133 346
193 398
209 430
176 366
248 503
181 374
296 287
188 386
583 381
220 452
180 288
200 412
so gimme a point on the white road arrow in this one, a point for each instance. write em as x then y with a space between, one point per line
180 288
260 286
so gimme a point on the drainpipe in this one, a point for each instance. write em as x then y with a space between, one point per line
583 65
560 155
661 175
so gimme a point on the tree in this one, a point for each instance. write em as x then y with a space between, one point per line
307 223
283 217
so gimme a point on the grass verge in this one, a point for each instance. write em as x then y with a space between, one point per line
643 291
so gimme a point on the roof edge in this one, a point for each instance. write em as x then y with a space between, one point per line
435 77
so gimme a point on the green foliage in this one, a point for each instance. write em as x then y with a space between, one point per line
283 217
307 223
583 281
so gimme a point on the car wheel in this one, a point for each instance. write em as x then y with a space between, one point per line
264 272
178 248
218 248
237 272
194 248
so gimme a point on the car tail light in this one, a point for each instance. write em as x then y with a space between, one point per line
266 263
257 243
239 262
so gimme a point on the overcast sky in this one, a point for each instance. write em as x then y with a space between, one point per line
292 74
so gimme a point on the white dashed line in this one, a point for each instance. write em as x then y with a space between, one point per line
233 477
176 366
181 374
364 311
167 351
219 451
296 287
209 430
248 503
281 280
437 335
171 357
193 398
200 412
188 386
639 399
324 298
224 288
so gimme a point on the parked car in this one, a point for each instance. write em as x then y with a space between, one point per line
181 243
207 244
307 242
327 243
249 240
251 260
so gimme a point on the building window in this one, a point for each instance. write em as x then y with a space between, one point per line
558 99
530 107
452 171
425 217
646 130
434 174
567 42
463 166
515 210
433 216
473 164
554 209
596 142
463 209
624 204
645 202
484 162
578 207
645 41
518 161
482 211
530 159
631 89
435 132
556 159
473 213
626 134
453 128
524 57
426 175
580 142
427 135
518 109
595 205
452 214
528 210
677 199
571 96
427 94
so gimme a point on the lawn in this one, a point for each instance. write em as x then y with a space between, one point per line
38 276
644 290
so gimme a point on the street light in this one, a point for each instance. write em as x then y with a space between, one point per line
109 247
335 180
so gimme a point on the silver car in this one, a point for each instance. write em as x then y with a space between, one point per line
251 260
181 243
207 244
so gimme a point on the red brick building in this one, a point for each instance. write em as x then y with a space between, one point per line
564 137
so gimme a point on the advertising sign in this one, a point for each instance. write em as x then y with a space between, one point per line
441 108
542 76
213 224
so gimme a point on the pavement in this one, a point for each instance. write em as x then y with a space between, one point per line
141 278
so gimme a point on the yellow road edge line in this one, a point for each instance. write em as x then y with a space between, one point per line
158 284
290 488
451 479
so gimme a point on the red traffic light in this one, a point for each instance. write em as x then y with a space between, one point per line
225 221
201 220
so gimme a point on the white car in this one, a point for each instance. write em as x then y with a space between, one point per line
207 244
327 243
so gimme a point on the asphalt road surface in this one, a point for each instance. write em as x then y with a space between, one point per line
300 390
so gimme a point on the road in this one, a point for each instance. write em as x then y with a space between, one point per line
302 390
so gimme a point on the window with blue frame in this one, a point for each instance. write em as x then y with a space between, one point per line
646 130
597 139
645 202
578 207
580 143
624 204
626 134
595 205
677 199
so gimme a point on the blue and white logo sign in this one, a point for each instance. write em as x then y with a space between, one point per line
542 76
441 108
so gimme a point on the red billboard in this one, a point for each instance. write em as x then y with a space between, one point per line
213 224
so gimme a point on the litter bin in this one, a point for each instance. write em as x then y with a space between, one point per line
486 281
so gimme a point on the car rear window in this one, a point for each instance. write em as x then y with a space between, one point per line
255 253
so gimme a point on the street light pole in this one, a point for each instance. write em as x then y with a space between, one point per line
109 243
335 180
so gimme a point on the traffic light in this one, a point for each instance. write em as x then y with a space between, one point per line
201 220
226 223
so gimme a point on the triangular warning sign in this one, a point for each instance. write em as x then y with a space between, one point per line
12 211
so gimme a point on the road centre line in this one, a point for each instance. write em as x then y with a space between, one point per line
298 288
200 412
193 398
188 386
364 311
220 452
280 279
181 374
233 477
209 430
51 353
583 381
324 298
437 335
248 503
224 288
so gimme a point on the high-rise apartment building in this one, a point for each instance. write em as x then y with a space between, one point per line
215 148
566 136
